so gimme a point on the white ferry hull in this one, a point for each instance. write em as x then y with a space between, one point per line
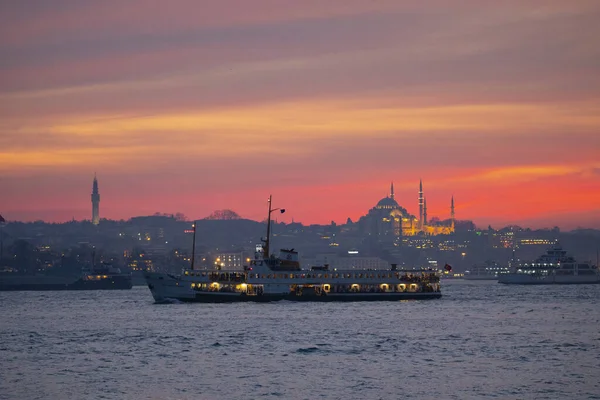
166 288
526 279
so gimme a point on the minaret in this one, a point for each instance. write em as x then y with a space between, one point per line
421 204
452 212
425 212
95 202
392 191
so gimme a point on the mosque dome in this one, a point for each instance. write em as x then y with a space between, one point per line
387 203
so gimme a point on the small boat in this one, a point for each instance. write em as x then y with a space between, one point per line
272 278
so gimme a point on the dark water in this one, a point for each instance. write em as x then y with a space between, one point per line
482 340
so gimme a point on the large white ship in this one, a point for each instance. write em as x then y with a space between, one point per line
270 278
490 271
554 267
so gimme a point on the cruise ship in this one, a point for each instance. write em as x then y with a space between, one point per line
490 270
271 278
553 267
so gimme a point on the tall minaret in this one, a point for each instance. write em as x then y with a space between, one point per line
452 212
95 202
424 211
392 191
421 204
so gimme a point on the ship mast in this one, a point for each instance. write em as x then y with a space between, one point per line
267 241
1 240
193 245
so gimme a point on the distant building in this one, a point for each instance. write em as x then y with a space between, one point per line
95 202
389 221
437 227
231 261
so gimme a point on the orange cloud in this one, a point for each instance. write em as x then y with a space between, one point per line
331 118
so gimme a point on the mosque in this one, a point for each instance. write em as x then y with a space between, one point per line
389 219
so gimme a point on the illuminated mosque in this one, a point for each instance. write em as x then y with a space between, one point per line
389 219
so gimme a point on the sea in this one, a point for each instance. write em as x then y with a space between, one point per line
480 340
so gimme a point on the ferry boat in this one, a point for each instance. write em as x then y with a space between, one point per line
100 277
490 270
269 278
553 267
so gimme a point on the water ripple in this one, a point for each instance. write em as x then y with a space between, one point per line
482 340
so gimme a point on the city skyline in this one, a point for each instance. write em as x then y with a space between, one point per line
320 105
392 194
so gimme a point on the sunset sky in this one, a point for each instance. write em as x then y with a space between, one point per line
192 106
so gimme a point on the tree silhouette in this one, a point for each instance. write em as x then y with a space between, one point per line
223 215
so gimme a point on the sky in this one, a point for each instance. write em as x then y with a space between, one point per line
192 106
